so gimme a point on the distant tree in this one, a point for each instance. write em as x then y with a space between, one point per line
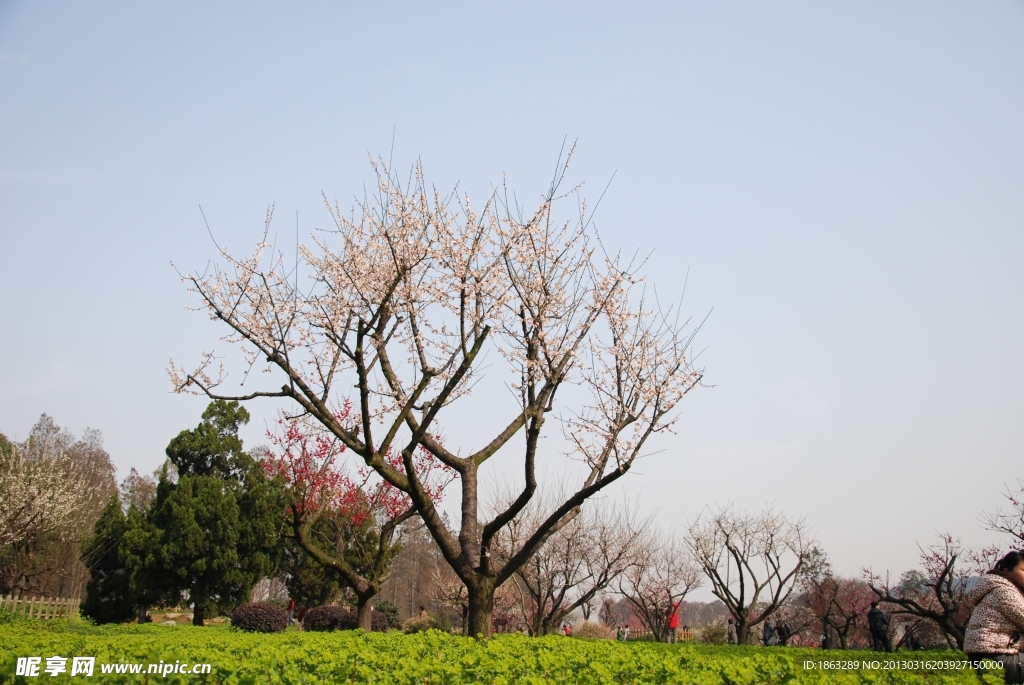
840 605
575 565
108 595
938 594
660 576
137 491
53 487
752 560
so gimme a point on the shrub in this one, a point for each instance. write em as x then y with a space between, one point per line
714 634
597 631
329 617
260 617
391 611
418 625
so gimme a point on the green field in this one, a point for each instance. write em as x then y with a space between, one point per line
355 657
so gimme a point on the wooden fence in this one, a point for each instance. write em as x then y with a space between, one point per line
40 607
648 636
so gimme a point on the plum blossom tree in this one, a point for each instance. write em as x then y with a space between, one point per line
938 594
402 302
351 524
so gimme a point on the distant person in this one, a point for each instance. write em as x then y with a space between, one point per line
423 612
826 641
996 628
731 635
625 631
673 623
769 636
620 634
878 624
784 632
291 611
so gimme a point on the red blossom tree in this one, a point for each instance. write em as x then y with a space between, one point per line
347 522
939 594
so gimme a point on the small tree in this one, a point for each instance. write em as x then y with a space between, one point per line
350 525
402 303
752 560
840 605
660 576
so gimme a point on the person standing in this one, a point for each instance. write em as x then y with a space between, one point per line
769 636
784 632
673 623
878 624
291 611
731 633
995 631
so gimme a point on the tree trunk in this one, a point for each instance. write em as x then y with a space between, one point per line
198 614
364 615
742 632
481 608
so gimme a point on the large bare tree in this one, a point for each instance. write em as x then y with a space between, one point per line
752 560
400 304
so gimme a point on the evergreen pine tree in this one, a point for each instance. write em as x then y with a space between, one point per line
108 596
217 528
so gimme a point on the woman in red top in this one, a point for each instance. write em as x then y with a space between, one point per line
673 623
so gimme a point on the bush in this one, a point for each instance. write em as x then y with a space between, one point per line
391 611
329 617
597 631
715 634
418 625
260 617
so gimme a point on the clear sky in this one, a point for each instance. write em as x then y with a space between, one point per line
844 182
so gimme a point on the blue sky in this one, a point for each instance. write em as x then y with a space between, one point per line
843 182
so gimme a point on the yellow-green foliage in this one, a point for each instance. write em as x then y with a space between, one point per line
434 657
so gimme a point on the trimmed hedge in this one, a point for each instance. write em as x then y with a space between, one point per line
325 618
328 617
260 617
